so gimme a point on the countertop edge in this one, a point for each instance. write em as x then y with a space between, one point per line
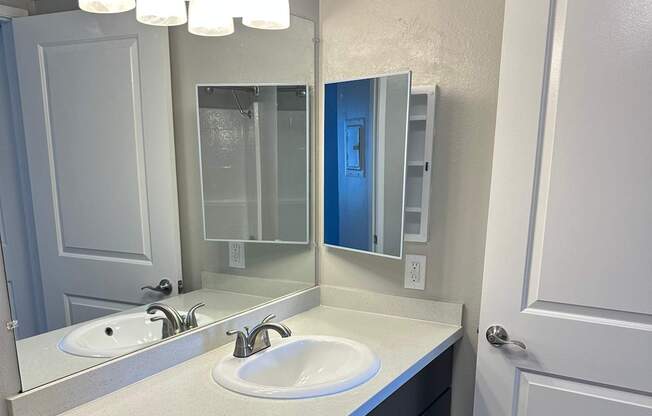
399 381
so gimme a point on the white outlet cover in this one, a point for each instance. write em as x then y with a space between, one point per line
236 255
415 272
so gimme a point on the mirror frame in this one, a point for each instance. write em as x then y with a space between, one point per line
308 170
323 162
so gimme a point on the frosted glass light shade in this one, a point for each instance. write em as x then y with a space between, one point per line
107 6
267 14
210 18
161 12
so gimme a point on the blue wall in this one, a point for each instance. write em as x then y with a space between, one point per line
348 194
331 194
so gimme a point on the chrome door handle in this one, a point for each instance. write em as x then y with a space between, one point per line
164 286
497 336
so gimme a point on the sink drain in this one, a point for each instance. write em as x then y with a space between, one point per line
108 331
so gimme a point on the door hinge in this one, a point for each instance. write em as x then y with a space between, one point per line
427 166
375 239
12 325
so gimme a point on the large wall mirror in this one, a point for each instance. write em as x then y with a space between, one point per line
254 143
365 139
102 210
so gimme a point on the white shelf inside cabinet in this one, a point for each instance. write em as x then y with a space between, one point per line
421 134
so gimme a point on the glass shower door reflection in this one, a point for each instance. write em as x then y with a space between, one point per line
254 162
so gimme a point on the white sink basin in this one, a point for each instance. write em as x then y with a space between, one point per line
116 335
299 367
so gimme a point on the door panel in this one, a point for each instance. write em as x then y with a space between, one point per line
543 395
598 164
567 264
83 155
82 309
97 115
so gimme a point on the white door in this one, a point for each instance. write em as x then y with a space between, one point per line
568 266
96 103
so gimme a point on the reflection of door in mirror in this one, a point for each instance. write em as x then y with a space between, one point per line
89 170
100 161
254 162
365 133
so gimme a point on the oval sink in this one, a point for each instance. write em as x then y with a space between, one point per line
116 335
299 367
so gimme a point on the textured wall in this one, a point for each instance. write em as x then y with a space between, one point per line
455 44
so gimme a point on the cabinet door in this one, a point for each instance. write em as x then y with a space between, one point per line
421 134
422 392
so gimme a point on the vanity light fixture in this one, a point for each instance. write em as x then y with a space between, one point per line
161 12
268 14
205 17
107 6
211 17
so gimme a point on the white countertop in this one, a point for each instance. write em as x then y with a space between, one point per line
403 345
41 361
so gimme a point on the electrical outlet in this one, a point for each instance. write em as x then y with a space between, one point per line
415 272
236 255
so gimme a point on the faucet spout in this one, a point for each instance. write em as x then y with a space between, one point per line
248 343
261 329
173 316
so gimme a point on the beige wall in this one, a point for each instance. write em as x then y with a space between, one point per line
455 44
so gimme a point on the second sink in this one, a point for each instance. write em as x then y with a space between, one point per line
116 335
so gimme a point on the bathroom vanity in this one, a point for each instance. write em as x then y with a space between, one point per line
415 356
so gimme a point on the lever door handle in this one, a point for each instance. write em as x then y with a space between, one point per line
164 286
497 336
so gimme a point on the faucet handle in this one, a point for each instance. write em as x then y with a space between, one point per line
190 320
234 332
241 342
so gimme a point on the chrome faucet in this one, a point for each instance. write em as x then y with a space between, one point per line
173 322
248 343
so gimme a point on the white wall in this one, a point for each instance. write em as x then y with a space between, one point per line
455 44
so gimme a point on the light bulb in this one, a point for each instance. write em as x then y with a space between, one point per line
210 17
267 14
107 6
161 12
